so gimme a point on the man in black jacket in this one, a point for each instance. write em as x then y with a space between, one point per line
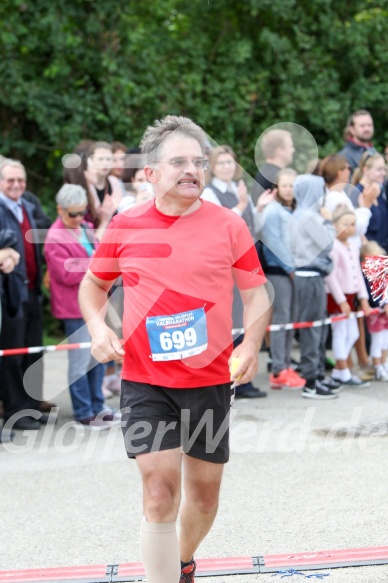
278 150
22 319
41 220
9 258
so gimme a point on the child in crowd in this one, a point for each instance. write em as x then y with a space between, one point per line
141 190
279 269
344 284
335 171
312 235
377 323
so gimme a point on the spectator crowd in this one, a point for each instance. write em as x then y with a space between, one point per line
311 232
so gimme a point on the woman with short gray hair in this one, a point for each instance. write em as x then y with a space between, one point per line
69 246
71 194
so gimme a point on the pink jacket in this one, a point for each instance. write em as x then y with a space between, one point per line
67 263
346 277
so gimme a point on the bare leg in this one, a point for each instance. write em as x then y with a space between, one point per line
159 547
202 482
360 346
161 476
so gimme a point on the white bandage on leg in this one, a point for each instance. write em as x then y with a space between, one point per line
159 551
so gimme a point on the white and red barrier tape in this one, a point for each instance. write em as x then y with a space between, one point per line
272 328
314 324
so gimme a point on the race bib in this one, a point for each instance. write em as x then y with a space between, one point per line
177 336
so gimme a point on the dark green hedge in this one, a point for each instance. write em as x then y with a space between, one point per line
105 69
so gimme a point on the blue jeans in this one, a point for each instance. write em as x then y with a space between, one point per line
85 374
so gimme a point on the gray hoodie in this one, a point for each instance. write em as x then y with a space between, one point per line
311 235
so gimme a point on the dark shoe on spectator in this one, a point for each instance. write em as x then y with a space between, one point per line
86 421
317 390
46 407
112 415
43 419
332 384
95 423
356 383
27 424
250 394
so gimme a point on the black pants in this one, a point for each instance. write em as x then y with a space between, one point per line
19 393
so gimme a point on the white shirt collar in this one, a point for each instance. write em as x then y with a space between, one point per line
15 206
224 186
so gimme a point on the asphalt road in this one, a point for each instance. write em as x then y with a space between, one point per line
300 479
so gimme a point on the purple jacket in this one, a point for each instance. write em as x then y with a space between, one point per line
67 263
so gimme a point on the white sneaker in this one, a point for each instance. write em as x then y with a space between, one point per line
381 373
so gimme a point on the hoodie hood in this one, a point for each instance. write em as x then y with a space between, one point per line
308 191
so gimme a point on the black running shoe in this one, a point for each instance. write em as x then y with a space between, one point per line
317 390
332 384
356 383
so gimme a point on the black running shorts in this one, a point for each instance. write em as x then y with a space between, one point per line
157 418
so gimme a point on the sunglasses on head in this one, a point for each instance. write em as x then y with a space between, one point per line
74 215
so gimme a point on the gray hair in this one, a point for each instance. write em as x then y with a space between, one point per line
9 162
154 136
71 194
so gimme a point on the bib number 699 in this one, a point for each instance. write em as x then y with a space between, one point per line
178 339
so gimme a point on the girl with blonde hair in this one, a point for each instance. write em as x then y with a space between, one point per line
343 285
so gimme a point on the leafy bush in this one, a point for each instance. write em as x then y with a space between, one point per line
105 69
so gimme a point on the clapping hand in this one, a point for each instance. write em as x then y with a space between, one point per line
265 199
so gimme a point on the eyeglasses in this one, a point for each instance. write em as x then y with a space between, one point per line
181 163
13 180
74 215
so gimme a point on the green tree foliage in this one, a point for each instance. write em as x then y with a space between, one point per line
105 69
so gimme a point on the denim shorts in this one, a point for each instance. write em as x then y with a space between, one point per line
157 418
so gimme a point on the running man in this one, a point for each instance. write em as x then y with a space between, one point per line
178 268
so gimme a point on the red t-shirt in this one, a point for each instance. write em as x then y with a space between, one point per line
171 265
